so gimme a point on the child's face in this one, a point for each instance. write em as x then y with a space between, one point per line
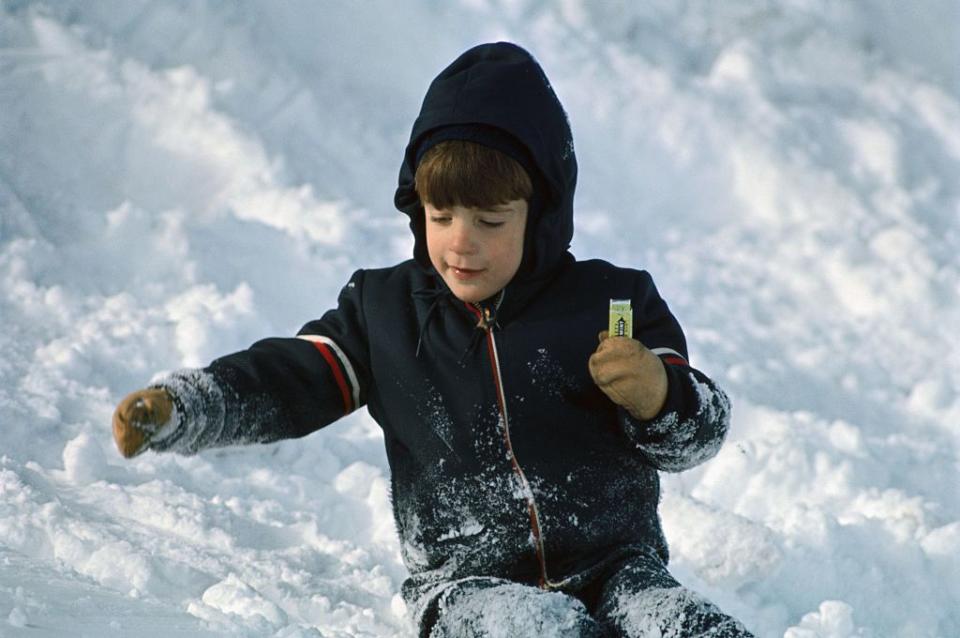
477 251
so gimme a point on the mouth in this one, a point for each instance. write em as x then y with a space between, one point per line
466 274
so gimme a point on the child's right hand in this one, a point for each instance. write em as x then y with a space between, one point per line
630 374
138 417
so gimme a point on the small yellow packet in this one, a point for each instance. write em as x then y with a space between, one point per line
621 318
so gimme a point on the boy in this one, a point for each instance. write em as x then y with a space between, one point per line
523 455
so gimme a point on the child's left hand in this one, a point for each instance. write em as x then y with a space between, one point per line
630 374
139 416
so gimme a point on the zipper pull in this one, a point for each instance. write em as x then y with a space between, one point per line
483 318
487 317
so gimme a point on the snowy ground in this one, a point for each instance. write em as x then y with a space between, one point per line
179 179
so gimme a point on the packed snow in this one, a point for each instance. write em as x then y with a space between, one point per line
178 180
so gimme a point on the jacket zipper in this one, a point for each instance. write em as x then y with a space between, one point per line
483 315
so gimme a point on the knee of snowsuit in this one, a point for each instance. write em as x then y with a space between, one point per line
637 597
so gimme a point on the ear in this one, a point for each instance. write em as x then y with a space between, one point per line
603 335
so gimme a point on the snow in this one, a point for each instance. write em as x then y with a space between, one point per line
181 179
519 611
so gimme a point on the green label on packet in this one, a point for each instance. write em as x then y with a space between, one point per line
621 318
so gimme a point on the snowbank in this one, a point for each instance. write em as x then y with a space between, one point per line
181 180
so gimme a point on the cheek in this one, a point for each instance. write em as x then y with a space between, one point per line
516 254
433 244
509 254
516 248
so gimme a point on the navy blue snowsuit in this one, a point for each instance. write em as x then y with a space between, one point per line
509 466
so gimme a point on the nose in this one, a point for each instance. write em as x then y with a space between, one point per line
462 240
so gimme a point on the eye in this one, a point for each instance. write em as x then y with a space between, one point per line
440 219
490 224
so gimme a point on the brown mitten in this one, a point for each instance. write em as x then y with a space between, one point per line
630 374
139 416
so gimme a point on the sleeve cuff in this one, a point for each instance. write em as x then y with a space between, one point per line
656 428
199 408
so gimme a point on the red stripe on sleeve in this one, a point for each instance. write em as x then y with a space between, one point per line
341 381
674 360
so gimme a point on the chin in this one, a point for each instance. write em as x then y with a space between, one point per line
469 295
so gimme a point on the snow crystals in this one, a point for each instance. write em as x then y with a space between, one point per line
163 205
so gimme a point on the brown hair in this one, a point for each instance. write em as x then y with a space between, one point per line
461 173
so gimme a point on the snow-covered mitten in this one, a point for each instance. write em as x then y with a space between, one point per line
140 417
630 374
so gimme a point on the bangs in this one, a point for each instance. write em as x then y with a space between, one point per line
461 173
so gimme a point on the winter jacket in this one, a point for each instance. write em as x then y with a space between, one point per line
506 459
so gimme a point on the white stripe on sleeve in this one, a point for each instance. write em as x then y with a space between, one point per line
668 351
327 341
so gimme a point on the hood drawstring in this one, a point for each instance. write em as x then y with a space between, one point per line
474 341
435 295
487 317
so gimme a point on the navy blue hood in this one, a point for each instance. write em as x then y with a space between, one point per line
502 85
